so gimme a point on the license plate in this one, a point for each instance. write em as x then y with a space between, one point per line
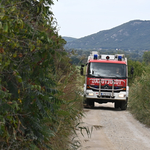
106 94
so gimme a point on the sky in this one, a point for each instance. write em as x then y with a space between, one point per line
80 18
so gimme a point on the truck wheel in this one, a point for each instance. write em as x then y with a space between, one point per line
85 103
117 105
91 102
88 103
124 105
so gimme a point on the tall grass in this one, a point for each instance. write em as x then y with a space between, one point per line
139 98
70 111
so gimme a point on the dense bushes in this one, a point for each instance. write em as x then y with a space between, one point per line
38 103
139 97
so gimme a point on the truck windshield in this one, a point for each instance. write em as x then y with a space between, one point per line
111 70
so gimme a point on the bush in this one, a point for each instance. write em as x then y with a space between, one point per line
38 99
139 98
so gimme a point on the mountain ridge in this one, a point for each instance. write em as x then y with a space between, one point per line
133 35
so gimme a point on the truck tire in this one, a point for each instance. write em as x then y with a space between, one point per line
85 103
124 104
91 103
88 103
117 105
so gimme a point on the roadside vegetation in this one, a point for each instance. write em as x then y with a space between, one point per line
139 97
40 102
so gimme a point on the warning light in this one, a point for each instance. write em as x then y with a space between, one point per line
107 57
95 56
120 58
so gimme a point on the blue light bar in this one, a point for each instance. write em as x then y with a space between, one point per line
95 56
120 58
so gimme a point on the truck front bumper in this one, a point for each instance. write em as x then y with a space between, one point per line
122 95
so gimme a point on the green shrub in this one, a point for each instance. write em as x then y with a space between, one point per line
139 98
38 99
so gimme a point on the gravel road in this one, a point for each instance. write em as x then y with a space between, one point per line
113 130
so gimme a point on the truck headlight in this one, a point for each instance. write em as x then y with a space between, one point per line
90 94
122 95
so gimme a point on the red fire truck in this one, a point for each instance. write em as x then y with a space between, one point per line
106 80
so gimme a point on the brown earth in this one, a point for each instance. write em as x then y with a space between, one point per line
113 130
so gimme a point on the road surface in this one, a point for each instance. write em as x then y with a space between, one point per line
113 130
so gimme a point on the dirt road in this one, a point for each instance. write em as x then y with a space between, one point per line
114 130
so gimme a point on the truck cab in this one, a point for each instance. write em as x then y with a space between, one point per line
106 80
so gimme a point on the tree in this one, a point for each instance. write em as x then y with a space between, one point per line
146 57
29 96
138 70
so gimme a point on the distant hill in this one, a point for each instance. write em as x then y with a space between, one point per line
68 39
133 35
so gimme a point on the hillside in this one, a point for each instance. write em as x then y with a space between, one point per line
68 39
133 35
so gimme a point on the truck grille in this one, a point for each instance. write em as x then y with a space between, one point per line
106 88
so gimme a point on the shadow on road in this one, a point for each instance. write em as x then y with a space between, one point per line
103 107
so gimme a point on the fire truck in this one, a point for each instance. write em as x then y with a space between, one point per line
106 80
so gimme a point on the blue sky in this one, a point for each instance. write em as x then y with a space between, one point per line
79 18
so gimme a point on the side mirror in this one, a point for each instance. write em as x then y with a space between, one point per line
132 70
81 70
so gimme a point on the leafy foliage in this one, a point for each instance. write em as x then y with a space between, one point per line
70 111
146 57
139 90
138 70
139 100
82 55
32 109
